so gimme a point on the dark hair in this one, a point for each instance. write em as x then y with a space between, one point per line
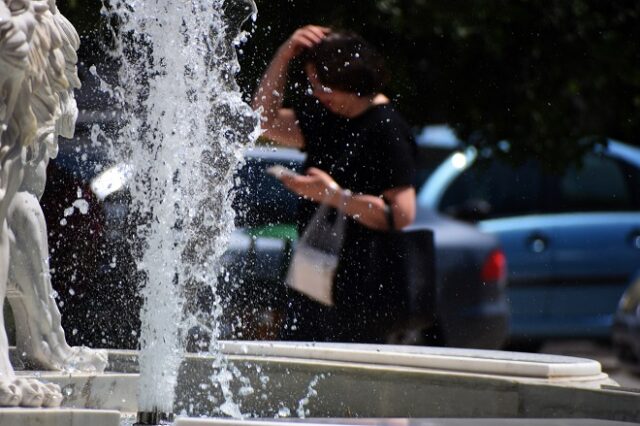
345 61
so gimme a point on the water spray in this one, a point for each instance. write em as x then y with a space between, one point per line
185 126
154 418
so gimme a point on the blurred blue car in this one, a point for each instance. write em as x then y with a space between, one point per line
626 326
571 237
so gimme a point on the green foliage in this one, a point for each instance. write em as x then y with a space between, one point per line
84 14
541 74
86 18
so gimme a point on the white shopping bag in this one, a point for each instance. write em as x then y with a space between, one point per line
315 257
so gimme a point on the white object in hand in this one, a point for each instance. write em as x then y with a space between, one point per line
279 171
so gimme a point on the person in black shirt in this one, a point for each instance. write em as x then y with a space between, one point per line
360 157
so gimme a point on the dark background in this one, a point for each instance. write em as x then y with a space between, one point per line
546 75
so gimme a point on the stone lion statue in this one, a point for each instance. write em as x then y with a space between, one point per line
37 78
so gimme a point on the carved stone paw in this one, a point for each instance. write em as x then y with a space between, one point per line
52 396
86 360
32 392
38 394
10 394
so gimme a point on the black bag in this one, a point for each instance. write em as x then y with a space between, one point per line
412 269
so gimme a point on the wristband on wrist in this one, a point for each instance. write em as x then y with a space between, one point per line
332 190
345 195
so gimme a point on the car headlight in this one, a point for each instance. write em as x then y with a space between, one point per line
111 180
459 160
631 298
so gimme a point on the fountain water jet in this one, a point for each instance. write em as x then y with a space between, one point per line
185 128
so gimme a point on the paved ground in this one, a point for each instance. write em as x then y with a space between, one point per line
600 352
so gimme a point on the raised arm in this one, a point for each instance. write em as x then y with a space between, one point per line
280 124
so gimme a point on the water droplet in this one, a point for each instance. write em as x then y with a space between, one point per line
284 412
245 391
82 205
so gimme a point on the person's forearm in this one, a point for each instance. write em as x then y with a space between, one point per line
269 93
372 211
369 210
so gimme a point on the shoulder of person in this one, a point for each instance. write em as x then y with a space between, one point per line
386 115
386 120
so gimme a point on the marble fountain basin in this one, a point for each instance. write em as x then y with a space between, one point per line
349 381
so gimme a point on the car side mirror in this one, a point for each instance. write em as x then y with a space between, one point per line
472 211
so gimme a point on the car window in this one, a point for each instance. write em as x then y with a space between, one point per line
491 188
260 198
427 161
598 184
81 157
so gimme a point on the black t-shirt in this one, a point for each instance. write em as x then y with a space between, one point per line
368 154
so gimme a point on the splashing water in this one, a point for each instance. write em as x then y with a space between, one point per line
302 411
185 128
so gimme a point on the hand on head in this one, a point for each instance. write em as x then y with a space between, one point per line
302 39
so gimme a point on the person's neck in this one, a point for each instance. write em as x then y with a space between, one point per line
359 105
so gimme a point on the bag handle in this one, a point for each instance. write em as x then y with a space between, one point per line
388 212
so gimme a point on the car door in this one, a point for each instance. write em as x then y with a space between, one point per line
506 200
596 243
526 241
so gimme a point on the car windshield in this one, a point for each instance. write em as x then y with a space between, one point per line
493 188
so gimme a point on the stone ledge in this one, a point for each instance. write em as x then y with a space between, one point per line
57 417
